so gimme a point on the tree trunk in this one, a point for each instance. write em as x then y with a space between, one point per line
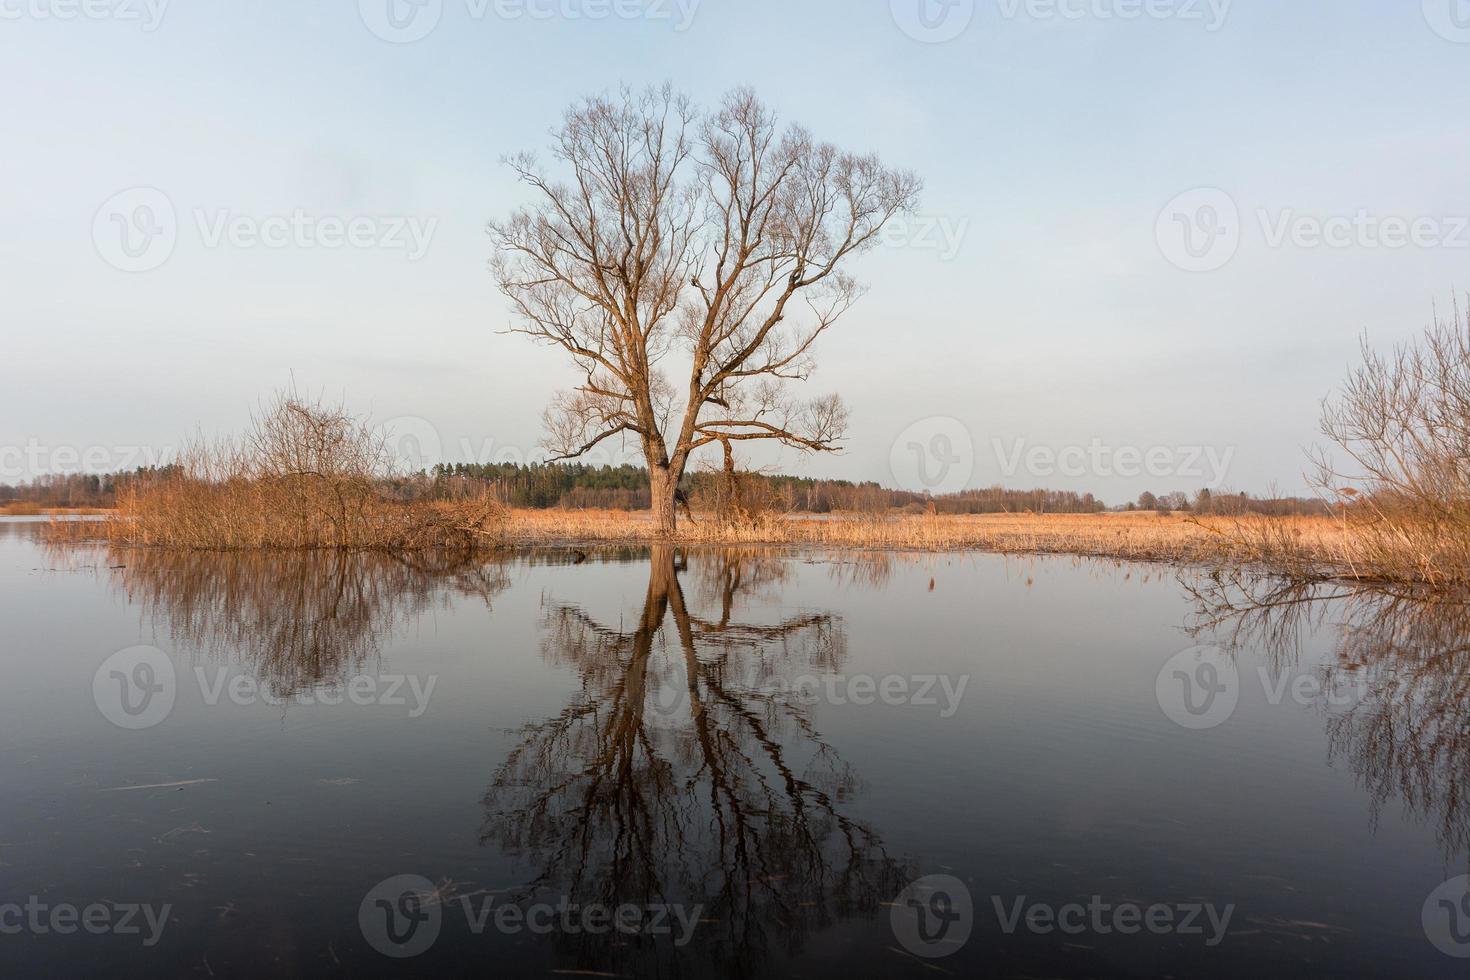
663 484
734 509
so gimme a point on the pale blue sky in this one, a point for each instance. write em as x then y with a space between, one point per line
1053 143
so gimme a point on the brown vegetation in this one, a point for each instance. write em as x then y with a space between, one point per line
1134 535
1403 422
305 475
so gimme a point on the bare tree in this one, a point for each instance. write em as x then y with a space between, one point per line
720 236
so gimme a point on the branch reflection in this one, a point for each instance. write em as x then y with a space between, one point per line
295 620
684 772
1406 733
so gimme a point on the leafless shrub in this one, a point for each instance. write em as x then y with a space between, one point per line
738 499
307 474
1403 422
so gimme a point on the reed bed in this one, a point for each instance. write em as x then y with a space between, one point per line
1135 536
252 516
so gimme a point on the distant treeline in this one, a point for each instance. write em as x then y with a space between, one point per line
67 490
579 486
574 485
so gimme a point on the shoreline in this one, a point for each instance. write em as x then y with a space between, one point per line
1134 536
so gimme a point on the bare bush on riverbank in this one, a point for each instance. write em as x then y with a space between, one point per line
306 475
1403 422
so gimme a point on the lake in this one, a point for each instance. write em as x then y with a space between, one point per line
737 763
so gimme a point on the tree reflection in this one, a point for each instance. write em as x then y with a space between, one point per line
1405 734
295 620
686 772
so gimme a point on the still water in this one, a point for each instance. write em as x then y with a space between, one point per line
655 762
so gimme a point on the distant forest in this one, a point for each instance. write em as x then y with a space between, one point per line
579 486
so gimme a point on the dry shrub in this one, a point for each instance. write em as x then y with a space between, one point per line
305 475
21 508
1403 422
739 503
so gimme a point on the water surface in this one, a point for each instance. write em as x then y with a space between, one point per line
313 765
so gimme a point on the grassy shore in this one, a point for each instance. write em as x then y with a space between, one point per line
1140 536
1307 548
28 509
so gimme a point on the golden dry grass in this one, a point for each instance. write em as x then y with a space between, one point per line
1299 547
26 508
1139 536
253 516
